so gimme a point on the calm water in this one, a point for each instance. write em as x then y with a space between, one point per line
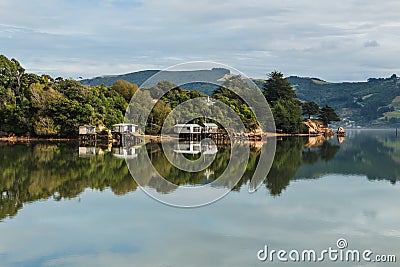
62 205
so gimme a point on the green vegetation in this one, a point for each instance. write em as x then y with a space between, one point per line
278 88
309 109
171 95
285 106
327 115
125 88
366 103
40 105
231 99
46 107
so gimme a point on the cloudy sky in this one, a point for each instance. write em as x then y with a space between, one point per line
343 40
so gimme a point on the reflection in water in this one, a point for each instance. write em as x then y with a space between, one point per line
40 171
47 170
125 152
87 151
373 153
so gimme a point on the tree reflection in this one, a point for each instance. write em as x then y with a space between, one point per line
283 169
40 171
55 170
292 153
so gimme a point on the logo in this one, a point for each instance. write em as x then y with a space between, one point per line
197 125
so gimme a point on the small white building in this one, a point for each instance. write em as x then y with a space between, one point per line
188 148
124 128
210 127
190 128
87 129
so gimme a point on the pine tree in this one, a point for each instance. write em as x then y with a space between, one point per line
327 115
277 87
310 108
284 104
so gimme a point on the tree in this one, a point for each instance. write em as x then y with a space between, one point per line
45 126
287 115
284 103
13 119
310 108
157 117
69 115
125 88
277 87
327 115
231 93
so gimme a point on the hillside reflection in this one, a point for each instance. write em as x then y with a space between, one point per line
38 171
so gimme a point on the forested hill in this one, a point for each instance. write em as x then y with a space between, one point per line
212 77
373 103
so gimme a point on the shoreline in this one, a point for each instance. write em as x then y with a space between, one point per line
157 138
32 139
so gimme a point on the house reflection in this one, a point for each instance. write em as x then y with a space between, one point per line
87 152
205 147
209 149
125 152
191 147
93 150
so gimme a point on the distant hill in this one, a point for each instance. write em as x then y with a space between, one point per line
134 77
374 103
210 79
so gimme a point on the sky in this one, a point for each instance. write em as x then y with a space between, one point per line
343 40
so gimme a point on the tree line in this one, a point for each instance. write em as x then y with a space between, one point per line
40 105
288 109
43 106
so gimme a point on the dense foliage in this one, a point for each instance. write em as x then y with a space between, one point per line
170 96
375 102
226 94
285 106
40 105
309 109
327 115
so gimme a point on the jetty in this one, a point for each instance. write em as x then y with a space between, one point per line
196 132
87 134
125 134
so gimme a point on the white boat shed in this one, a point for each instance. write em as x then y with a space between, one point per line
191 128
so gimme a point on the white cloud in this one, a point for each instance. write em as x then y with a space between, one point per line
304 37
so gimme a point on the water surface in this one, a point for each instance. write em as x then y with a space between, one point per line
65 206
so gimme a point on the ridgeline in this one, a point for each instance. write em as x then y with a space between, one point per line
373 103
43 106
